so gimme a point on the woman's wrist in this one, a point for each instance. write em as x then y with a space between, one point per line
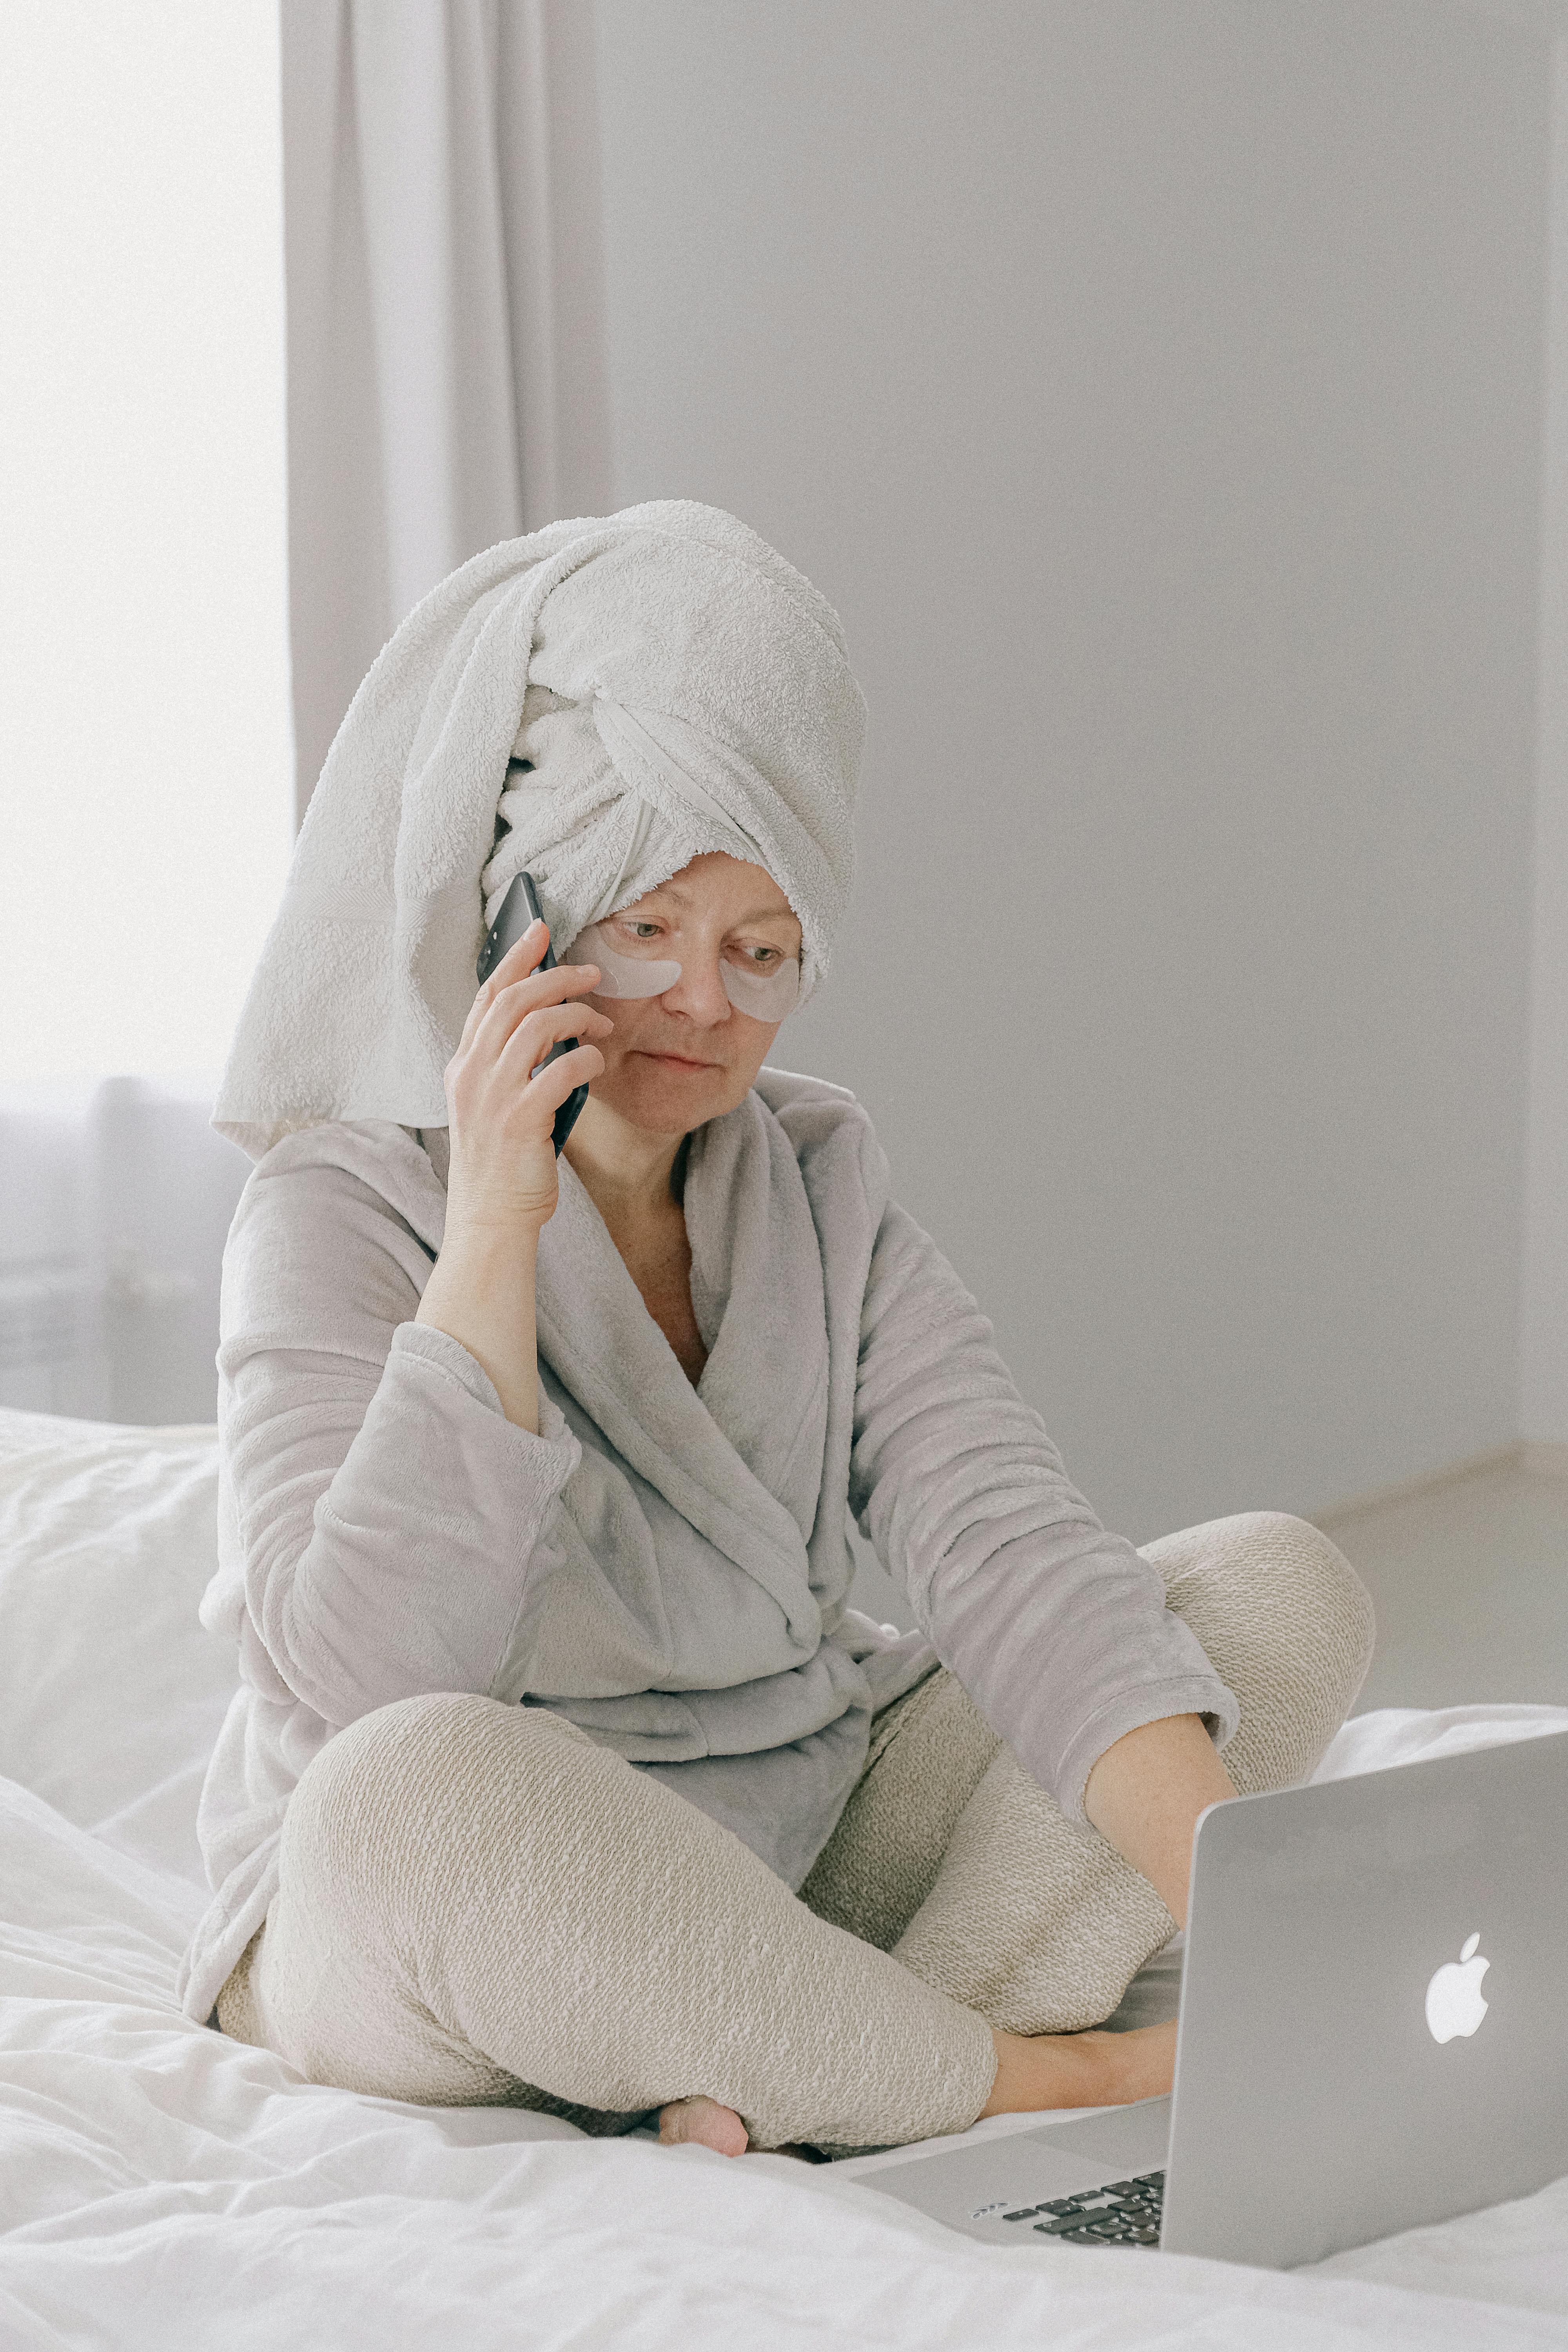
1144 1796
491 1238
1093 2069
1132 2065
480 1292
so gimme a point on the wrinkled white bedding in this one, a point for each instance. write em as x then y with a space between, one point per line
161 2186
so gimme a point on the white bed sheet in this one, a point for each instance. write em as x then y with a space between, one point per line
161 2186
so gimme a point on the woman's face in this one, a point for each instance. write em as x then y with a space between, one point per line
677 1059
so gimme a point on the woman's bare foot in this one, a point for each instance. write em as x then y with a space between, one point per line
1080 2069
1033 2071
702 2123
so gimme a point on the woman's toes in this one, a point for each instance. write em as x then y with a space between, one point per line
703 2123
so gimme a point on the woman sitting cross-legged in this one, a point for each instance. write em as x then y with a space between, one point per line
561 1772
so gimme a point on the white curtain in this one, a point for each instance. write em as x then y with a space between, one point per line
445 390
118 1196
446 377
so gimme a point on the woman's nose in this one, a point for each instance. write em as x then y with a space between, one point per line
699 991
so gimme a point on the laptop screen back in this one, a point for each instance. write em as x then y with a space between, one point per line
1373 2030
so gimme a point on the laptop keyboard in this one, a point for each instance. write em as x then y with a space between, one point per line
1122 2213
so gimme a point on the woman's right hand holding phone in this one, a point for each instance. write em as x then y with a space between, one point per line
499 1117
501 1186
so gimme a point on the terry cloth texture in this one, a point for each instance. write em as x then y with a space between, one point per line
667 1567
600 703
477 1905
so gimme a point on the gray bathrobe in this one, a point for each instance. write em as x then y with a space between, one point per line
666 1566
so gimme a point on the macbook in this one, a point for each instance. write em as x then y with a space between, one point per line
1374 2031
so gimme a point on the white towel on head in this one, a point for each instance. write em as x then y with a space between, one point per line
599 703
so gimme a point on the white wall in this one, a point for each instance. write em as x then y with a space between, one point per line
1544 1305
1156 390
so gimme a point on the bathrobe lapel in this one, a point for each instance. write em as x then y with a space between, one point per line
741 1456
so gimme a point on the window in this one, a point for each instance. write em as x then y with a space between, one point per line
145 756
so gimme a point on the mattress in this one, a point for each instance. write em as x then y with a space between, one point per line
161 2186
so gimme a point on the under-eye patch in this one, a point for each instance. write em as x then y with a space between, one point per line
758 981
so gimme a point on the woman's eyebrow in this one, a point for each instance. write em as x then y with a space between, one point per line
752 914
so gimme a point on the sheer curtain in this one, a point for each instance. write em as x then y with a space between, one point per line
440 277
118 1196
146 739
446 378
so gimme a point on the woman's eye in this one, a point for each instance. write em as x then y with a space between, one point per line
762 959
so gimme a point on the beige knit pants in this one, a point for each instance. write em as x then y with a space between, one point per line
477 1905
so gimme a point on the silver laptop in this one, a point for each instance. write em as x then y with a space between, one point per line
1374 2031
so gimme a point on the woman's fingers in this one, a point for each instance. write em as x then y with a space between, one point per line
557 1079
547 1025
496 1104
485 1090
522 958
535 991
518 965
515 988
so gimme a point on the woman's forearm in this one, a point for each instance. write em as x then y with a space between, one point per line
1145 1794
481 1293
1057 1629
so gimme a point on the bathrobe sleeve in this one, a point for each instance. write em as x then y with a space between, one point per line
1057 1630
383 1508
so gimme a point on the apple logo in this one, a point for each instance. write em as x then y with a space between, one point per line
1454 2003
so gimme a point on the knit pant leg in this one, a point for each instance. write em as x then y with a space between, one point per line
952 1858
477 1904
930 1752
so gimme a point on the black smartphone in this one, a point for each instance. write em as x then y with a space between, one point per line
519 907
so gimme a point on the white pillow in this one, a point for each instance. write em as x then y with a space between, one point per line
112 1692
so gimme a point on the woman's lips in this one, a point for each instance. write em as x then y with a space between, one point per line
678 1061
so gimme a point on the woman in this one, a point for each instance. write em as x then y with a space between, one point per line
560 1773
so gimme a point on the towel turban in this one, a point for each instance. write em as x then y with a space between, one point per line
599 702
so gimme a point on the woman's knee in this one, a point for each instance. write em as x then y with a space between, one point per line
406 1777
377 1853
1269 1568
1318 1585
1284 1620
